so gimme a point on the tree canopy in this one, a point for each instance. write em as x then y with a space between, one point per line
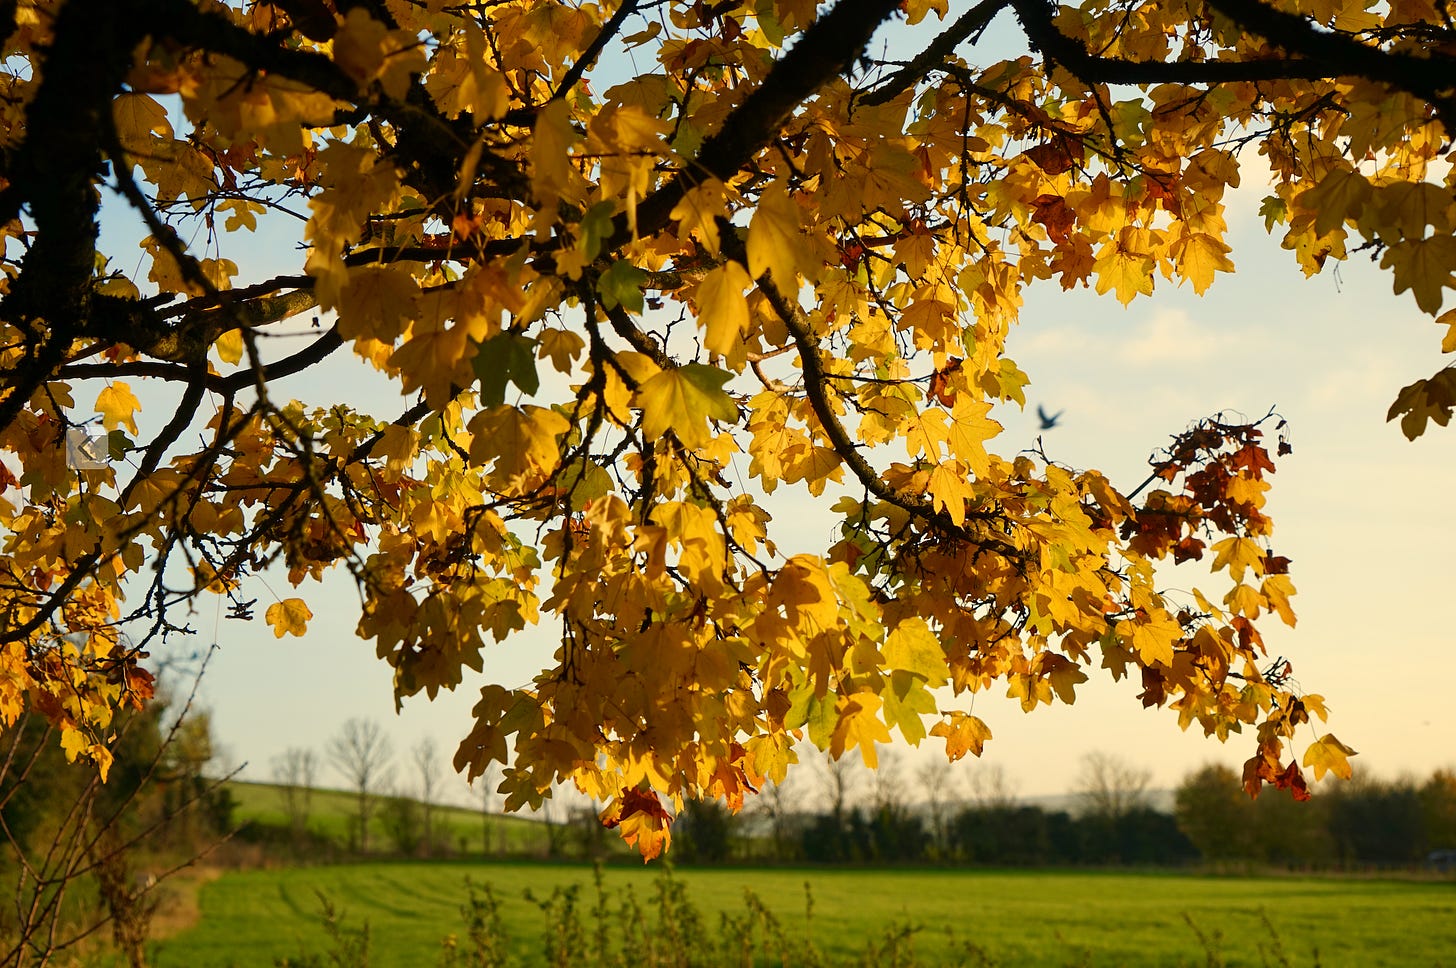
635 267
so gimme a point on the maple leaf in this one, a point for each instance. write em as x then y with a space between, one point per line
1152 637
913 647
1199 256
683 400
723 309
289 617
860 725
521 441
644 822
950 490
1238 554
1425 400
1448 319
1424 266
1053 212
1129 274
773 238
117 404
230 347
1329 755
963 734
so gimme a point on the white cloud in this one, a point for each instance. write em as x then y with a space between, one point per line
1170 336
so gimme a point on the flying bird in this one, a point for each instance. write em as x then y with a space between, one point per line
1048 422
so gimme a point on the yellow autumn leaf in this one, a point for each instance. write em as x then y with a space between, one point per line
1329 755
359 47
140 122
1424 266
913 647
860 725
1063 674
560 346
774 243
1128 274
289 617
1152 637
698 211
906 704
551 171
1341 194
230 347
116 404
1277 589
1199 256
683 400
521 441
949 490
969 430
1238 554
723 308
963 734
1448 319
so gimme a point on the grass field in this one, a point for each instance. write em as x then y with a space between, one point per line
962 917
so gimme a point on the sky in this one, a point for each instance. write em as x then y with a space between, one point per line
1364 515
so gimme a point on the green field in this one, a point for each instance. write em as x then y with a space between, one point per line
961 917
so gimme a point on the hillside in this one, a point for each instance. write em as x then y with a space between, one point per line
262 813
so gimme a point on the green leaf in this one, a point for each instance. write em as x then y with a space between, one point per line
584 480
622 285
822 720
505 358
595 226
768 22
1274 211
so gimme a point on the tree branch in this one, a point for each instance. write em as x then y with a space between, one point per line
589 56
971 22
825 50
1036 18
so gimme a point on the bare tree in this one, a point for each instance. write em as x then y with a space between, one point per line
483 787
776 803
427 765
840 777
64 827
1111 787
361 752
296 773
990 787
938 782
887 782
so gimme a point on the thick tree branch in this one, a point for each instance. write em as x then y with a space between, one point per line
53 173
824 51
1036 18
1431 77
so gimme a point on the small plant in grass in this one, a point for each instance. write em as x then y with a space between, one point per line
348 947
605 925
484 932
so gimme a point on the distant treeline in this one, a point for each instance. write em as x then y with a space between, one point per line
1364 823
